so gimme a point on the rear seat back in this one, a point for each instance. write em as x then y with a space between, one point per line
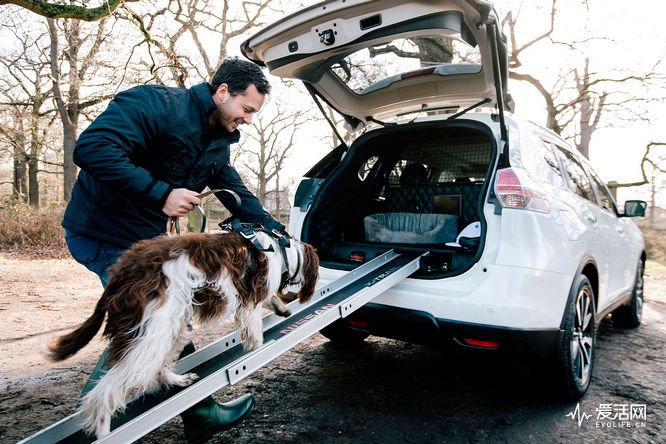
421 198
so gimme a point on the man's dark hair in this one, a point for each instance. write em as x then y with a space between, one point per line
238 75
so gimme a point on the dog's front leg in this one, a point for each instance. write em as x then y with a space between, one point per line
248 322
278 307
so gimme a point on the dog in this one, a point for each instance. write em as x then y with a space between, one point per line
159 285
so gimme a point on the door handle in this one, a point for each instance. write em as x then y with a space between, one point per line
619 230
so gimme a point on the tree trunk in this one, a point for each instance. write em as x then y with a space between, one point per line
33 168
585 128
20 188
69 169
277 198
653 202
69 113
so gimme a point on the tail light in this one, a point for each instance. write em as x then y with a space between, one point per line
515 189
481 344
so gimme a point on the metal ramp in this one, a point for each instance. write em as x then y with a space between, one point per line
223 362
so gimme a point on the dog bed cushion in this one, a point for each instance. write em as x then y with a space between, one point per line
411 228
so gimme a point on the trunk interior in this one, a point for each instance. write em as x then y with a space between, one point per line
411 187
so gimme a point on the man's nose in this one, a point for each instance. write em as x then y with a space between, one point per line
248 119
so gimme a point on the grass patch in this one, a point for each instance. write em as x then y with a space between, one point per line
30 231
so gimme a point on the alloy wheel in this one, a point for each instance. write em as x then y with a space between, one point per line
582 339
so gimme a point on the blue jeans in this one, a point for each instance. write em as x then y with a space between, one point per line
97 256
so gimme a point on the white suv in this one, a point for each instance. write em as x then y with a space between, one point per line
527 249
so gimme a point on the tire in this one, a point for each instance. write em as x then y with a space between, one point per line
575 356
629 316
341 334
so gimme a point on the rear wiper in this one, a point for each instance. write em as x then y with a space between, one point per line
460 113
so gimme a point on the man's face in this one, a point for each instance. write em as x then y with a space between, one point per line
233 111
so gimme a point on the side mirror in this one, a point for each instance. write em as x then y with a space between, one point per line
635 208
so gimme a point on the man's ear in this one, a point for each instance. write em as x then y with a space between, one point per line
222 91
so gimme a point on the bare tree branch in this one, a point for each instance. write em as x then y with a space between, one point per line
57 10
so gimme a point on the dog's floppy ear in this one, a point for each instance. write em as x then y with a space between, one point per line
310 271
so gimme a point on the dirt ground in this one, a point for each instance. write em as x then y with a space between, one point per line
384 392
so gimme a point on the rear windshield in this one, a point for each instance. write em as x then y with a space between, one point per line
380 65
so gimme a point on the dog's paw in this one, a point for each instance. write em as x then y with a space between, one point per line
168 377
278 306
285 314
250 344
187 379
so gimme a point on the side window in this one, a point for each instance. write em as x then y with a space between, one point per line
409 173
605 199
578 180
367 167
396 172
550 172
537 157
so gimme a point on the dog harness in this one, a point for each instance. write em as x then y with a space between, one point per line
249 232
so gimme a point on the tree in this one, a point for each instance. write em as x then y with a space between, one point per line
188 39
28 114
60 11
78 58
585 94
273 135
653 171
579 100
174 42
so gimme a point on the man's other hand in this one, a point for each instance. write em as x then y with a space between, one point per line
180 202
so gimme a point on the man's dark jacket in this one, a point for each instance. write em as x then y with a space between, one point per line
150 140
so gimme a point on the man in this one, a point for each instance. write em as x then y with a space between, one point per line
147 157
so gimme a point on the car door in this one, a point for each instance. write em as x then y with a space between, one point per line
597 233
621 270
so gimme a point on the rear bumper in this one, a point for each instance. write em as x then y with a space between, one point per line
421 327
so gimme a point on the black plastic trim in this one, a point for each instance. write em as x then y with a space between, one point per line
422 327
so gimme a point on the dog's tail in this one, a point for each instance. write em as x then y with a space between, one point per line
310 273
63 347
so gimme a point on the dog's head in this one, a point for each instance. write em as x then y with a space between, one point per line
303 268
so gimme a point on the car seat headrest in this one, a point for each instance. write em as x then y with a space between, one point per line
414 173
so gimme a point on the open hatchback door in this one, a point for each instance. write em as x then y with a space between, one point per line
377 60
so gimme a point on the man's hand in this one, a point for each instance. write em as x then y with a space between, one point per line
180 202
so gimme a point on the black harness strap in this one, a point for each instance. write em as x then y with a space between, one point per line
249 233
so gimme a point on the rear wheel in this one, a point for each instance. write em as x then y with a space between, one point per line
575 357
340 333
630 315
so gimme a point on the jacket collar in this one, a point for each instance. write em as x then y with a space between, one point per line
204 98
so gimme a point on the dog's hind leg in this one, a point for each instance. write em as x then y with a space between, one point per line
161 331
167 376
99 404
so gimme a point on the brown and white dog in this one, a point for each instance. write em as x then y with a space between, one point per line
153 292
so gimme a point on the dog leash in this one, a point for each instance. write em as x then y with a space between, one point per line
173 223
